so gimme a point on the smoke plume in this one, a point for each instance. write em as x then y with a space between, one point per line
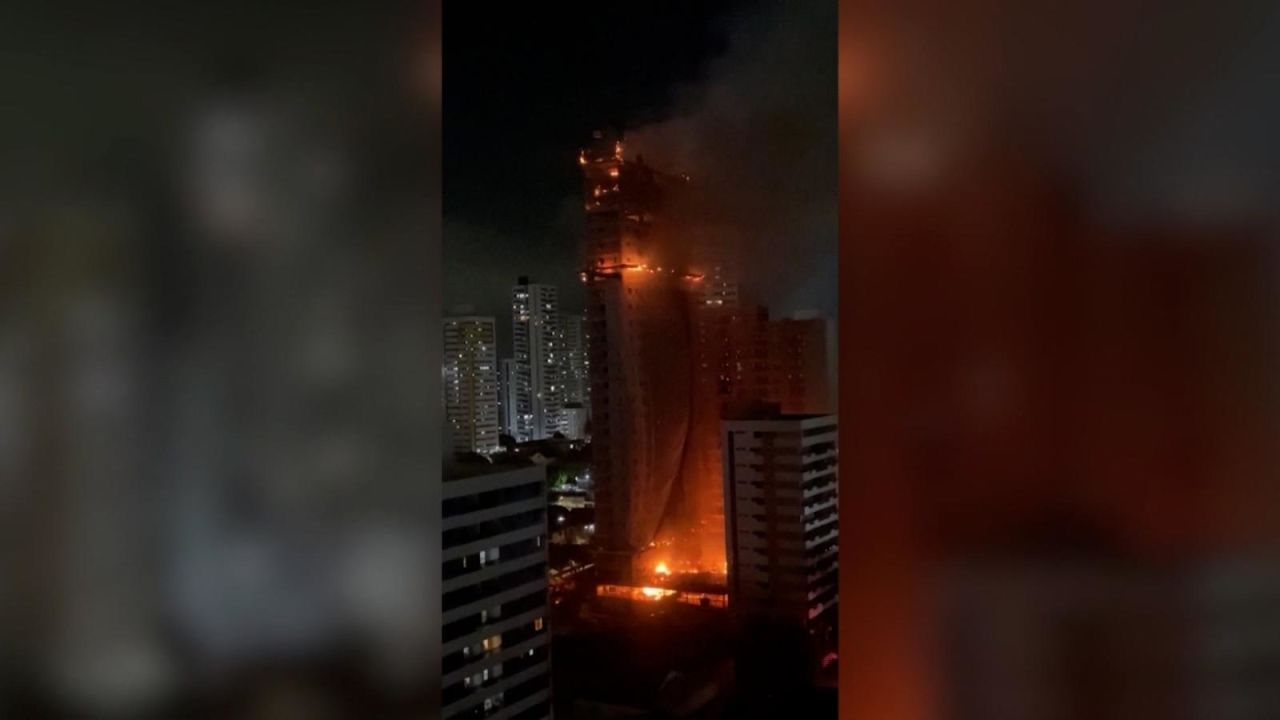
758 136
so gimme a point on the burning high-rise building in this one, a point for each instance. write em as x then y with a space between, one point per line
670 349
641 335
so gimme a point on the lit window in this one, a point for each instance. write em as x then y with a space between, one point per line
537 624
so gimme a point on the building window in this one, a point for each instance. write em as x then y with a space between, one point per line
537 624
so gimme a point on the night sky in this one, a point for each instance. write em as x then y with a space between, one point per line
524 89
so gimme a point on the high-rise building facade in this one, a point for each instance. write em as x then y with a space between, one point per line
795 364
640 292
575 421
577 382
508 383
539 357
743 358
782 529
471 383
496 642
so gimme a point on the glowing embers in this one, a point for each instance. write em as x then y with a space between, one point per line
652 594
616 269
639 594
598 155
654 270
664 569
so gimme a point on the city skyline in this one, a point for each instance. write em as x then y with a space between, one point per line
656 244
514 193
716 360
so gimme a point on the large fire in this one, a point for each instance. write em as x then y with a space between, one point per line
657 594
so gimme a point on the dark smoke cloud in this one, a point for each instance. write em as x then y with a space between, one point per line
758 135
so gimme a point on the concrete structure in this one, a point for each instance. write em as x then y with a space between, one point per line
795 364
744 357
539 357
720 289
575 421
577 380
640 292
508 382
495 638
782 528
471 383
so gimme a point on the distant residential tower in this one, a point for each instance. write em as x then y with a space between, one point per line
471 383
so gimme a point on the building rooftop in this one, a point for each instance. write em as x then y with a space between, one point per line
470 465
767 411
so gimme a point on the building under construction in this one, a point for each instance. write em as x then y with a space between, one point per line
640 296
672 345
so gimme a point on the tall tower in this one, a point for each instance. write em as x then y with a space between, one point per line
496 636
539 360
640 294
781 501
577 385
796 364
508 382
471 383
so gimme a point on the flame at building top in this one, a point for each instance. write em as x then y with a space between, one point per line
640 285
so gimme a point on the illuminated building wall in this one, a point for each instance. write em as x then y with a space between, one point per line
720 290
575 421
577 383
471 383
743 357
782 534
495 634
539 389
